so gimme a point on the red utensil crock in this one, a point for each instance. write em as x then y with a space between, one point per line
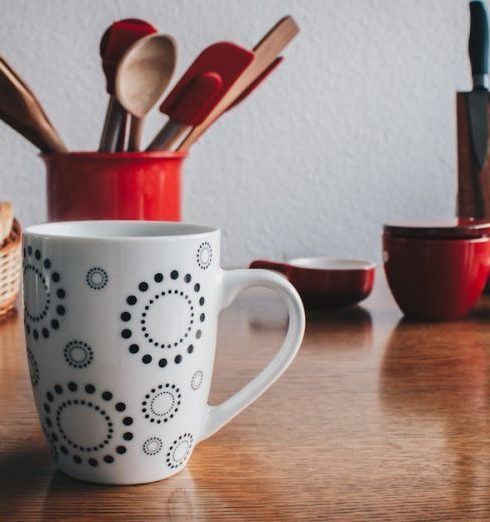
436 279
125 185
324 282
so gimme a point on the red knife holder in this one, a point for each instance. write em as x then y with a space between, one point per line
125 185
473 182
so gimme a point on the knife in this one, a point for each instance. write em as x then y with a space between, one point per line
478 98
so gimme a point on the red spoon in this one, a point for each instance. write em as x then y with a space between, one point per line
116 40
201 88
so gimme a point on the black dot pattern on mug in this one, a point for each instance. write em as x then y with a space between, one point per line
33 367
179 451
78 354
204 255
45 307
148 322
87 424
152 446
161 403
197 380
96 278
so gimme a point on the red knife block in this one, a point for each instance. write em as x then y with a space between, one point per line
125 185
473 182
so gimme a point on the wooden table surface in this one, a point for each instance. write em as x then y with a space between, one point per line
376 419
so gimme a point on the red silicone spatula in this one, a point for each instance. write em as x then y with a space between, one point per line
203 85
266 52
117 39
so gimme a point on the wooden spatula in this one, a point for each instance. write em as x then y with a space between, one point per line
20 109
266 52
201 87
250 88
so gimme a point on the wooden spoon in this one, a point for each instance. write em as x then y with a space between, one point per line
115 42
20 109
142 76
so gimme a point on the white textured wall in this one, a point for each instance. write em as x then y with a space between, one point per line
357 125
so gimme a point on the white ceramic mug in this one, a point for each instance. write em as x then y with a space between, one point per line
120 321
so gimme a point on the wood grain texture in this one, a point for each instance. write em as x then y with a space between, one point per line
473 184
377 419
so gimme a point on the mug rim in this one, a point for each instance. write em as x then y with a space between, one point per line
73 230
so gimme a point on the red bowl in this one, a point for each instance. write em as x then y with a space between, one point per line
324 282
436 279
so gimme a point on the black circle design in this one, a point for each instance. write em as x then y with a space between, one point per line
152 446
204 255
42 311
33 367
78 354
179 451
141 322
197 380
161 403
69 408
96 278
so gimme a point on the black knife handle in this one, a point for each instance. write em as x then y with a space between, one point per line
478 43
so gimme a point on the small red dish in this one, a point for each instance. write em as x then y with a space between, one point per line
324 282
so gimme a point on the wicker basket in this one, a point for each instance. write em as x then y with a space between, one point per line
10 269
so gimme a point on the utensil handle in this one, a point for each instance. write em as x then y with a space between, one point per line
135 131
168 136
478 44
110 133
232 283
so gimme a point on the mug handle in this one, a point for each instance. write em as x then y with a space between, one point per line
232 283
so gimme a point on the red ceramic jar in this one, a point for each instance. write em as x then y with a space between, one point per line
437 272
123 185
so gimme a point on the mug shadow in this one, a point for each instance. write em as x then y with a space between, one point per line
23 479
447 390
338 329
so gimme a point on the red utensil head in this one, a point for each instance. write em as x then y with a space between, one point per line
198 92
116 40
